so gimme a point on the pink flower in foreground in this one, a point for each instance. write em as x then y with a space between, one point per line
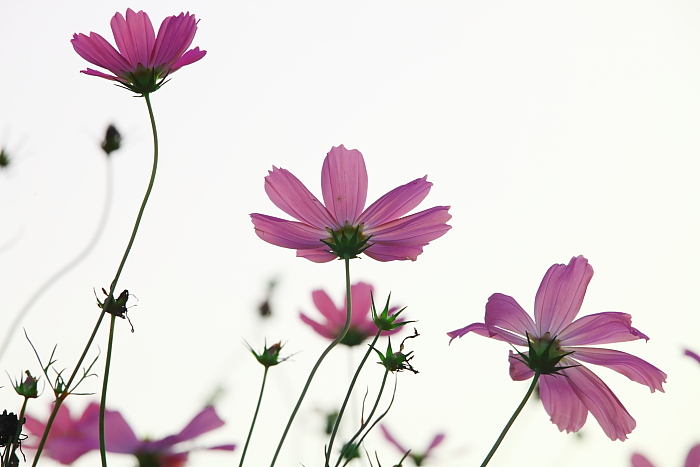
569 391
343 226
417 458
76 438
693 459
361 324
144 60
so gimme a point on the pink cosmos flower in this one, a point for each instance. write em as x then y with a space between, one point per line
417 458
343 226
144 60
361 324
569 391
693 459
76 438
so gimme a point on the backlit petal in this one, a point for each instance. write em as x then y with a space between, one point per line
287 234
639 460
518 370
188 58
600 328
134 37
564 407
324 330
693 459
327 308
317 255
502 311
477 328
417 229
633 367
393 253
396 203
96 50
344 184
175 35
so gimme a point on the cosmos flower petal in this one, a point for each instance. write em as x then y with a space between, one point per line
284 233
91 72
398 202
317 255
96 50
607 409
693 459
560 295
435 443
175 35
394 253
389 437
188 58
633 367
344 184
325 305
480 329
323 330
518 370
134 37
417 229
692 354
361 304
292 197
639 460
564 407
204 422
502 311
600 328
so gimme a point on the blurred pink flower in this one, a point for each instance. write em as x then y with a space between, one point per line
361 324
417 458
71 439
144 60
693 459
692 354
344 218
573 390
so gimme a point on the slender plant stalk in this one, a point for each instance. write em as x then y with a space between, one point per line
347 397
66 268
103 401
512 419
335 342
255 416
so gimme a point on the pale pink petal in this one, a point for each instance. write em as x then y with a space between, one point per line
204 422
417 229
91 72
292 197
693 459
633 367
393 253
96 50
287 234
518 370
317 255
188 58
324 330
325 305
612 416
436 441
692 354
134 37
396 203
175 35
361 304
600 328
477 328
639 460
560 295
391 439
502 311
564 407
344 184
119 437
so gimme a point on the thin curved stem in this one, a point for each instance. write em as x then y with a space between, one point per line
255 416
335 342
347 397
39 292
103 401
512 419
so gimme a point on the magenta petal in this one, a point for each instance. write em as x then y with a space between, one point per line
188 58
344 184
292 197
560 295
91 72
436 441
612 416
287 234
502 311
203 422
600 328
692 354
317 255
321 329
693 459
396 203
391 439
325 305
564 407
134 37
175 35
393 253
477 328
361 304
518 371
639 460
633 367
96 50
119 437
417 229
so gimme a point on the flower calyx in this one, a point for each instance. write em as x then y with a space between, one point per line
384 321
270 356
544 354
27 388
347 242
397 361
115 307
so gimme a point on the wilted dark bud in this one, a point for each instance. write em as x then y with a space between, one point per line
8 427
112 141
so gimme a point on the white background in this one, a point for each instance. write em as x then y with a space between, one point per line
552 129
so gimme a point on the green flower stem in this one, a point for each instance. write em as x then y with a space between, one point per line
347 397
335 342
14 444
512 419
255 416
103 401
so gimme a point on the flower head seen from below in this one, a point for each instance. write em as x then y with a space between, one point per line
343 228
361 325
417 458
73 438
693 459
144 60
568 389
